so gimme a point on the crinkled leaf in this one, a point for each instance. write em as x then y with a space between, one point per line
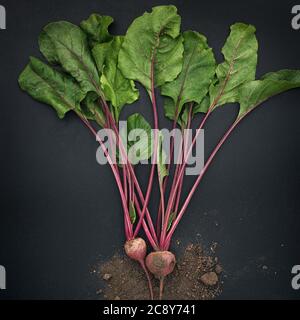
254 93
116 87
132 212
195 78
91 109
96 28
88 104
153 39
66 44
239 67
47 85
139 138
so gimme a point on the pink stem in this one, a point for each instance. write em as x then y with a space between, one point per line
142 263
175 204
192 191
178 195
125 187
179 176
145 227
112 143
177 181
185 151
147 232
150 183
166 219
123 152
128 229
162 203
159 215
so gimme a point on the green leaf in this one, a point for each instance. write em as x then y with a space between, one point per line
161 160
66 44
197 74
47 85
239 67
169 108
96 27
171 219
184 118
48 48
203 106
132 212
117 89
153 40
254 93
100 52
91 109
139 141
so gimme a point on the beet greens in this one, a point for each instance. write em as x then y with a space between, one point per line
93 74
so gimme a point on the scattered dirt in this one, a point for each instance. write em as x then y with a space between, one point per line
195 277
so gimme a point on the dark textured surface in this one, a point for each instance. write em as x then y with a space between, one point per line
60 211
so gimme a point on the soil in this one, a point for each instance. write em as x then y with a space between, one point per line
195 277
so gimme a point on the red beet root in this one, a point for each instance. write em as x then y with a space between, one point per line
161 263
136 249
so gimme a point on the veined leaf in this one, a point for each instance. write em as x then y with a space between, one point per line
116 87
96 28
66 44
139 138
47 85
239 67
91 109
195 78
153 40
254 93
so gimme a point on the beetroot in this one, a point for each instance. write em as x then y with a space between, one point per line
136 250
161 263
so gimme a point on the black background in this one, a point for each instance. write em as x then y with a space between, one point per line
60 211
